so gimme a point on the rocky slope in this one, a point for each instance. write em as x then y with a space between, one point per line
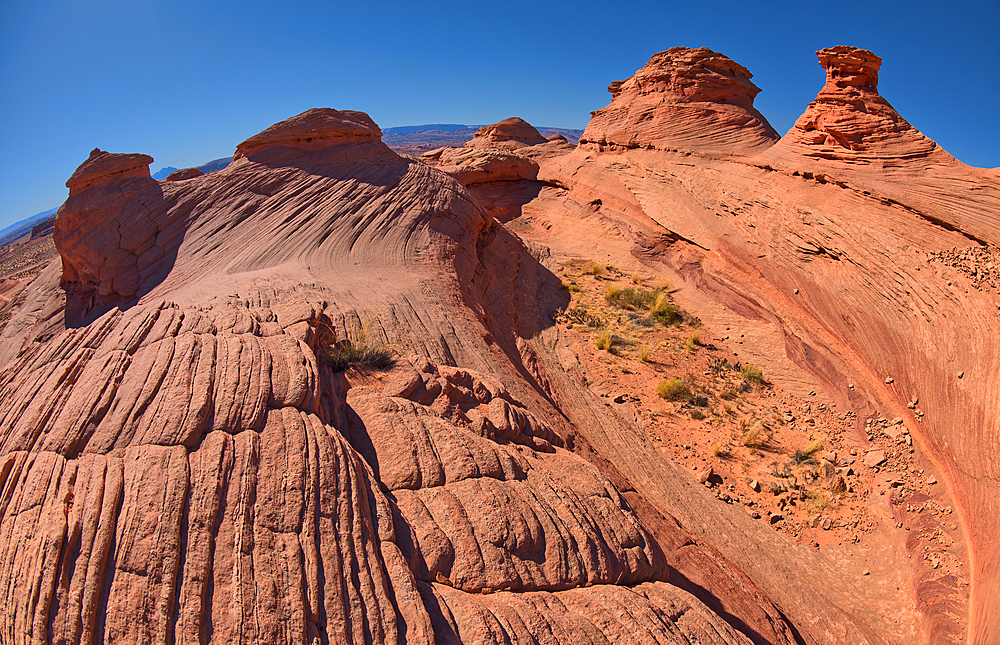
184 460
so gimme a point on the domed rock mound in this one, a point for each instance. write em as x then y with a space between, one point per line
514 132
693 100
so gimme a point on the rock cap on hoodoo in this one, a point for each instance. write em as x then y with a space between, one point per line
514 131
684 99
317 124
849 67
101 163
692 75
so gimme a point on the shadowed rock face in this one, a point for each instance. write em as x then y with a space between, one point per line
686 99
104 232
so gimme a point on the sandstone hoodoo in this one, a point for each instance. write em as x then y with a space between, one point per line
632 390
849 121
694 100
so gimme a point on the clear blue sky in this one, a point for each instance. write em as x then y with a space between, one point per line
186 81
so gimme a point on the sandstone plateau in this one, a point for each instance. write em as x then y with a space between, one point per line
182 461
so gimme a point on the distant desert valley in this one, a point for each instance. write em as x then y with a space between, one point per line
676 378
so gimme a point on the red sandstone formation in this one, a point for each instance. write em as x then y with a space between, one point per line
185 173
684 99
179 461
851 134
849 121
510 133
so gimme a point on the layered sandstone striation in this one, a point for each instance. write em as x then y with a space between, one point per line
694 100
185 173
108 233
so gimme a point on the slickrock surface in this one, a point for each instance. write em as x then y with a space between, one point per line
499 166
684 99
850 135
180 461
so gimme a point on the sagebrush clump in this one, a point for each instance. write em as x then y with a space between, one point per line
673 389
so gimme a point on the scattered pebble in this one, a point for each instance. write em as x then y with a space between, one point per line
889 380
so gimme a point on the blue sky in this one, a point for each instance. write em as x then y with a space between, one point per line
186 81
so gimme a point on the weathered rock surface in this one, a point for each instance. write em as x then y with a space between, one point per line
479 165
694 100
850 135
828 264
178 465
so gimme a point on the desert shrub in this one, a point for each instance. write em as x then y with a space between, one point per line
805 454
673 389
663 310
632 298
816 501
594 268
636 278
696 414
644 352
605 339
720 450
752 374
756 436
356 349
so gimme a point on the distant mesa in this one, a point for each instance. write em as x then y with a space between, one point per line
849 121
164 172
514 132
694 100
